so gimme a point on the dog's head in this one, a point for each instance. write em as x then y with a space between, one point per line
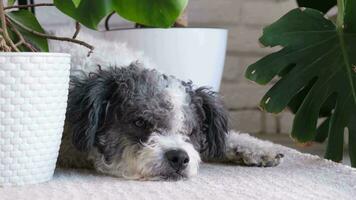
141 124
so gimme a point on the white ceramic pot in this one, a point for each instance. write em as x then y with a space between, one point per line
33 101
196 54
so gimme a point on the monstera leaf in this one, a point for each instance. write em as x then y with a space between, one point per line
317 67
322 5
156 13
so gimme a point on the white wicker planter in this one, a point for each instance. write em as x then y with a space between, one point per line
33 101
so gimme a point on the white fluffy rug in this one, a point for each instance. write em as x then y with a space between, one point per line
300 176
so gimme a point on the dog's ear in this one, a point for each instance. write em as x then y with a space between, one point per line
215 120
87 104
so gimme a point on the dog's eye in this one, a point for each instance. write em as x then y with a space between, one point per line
140 123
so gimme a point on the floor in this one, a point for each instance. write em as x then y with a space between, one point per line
316 149
300 176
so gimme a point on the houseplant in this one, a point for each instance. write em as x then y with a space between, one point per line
34 84
317 71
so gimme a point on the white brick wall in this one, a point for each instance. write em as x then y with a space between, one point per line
242 95
263 12
214 12
247 121
244 19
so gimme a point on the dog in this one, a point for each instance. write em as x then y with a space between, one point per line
138 123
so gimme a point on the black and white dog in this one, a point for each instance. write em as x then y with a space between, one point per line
138 123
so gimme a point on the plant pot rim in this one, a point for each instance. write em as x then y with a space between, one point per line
31 54
173 28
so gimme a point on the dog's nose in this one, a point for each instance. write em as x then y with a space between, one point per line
177 159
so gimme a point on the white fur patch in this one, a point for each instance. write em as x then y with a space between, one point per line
179 100
251 150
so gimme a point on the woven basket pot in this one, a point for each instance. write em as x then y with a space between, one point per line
33 101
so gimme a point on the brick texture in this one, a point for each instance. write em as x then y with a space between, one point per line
286 122
270 123
242 96
263 12
214 12
244 39
246 121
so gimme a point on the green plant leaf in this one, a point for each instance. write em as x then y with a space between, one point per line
319 58
338 122
89 12
349 22
322 5
155 13
10 2
76 3
27 19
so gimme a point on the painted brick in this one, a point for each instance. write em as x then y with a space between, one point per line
286 122
246 121
270 123
346 138
213 12
232 69
265 12
242 96
245 39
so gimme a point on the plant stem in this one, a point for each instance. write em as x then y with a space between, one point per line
52 37
3 45
340 14
29 5
107 26
4 28
77 29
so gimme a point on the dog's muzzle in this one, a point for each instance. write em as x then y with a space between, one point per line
169 156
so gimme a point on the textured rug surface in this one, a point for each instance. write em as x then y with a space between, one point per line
300 176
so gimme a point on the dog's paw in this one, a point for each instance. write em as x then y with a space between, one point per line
258 159
247 150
